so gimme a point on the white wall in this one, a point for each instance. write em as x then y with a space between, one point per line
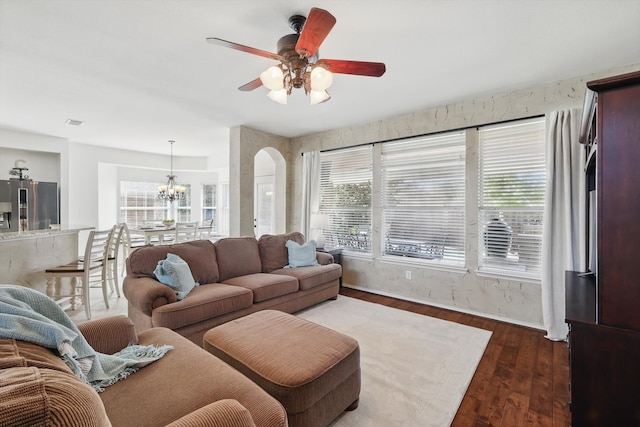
88 175
43 166
46 157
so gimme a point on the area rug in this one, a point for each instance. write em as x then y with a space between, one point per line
415 368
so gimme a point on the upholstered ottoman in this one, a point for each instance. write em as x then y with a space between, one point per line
312 370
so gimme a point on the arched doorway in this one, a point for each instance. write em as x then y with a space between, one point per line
269 192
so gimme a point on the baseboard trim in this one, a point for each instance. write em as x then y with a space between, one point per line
447 307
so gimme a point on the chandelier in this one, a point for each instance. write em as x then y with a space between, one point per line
281 79
171 191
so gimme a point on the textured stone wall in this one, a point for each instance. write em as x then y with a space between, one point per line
513 300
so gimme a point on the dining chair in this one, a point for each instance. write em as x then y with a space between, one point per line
94 261
185 231
114 257
206 230
128 242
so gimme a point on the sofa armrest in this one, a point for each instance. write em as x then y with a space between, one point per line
324 258
223 413
147 294
110 334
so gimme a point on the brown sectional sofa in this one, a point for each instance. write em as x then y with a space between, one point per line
188 387
237 276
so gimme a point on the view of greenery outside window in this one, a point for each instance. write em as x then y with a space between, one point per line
511 178
423 198
345 194
139 204
209 204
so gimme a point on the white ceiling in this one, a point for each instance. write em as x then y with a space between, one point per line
139 72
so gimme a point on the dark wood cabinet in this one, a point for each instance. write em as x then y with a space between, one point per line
603 311
618 165
604 362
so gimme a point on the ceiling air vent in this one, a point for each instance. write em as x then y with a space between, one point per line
74 122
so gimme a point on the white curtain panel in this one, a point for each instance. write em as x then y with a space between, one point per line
563 239
310 189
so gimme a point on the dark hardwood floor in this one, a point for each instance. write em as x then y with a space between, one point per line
522 379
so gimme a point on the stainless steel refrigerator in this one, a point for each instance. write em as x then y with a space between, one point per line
34 204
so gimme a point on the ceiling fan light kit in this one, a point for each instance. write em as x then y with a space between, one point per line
299 64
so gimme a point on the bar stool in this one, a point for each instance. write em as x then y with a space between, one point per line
95 260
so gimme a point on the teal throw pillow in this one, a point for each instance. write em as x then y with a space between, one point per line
175 273
301 255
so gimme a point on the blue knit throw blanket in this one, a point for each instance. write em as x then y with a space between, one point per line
29 315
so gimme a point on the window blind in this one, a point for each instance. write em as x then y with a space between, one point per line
423 198
183 206
209 204
139 203
511 179
345 194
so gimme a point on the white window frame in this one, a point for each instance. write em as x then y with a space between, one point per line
423 199
346 177
147 201
511 187
212 209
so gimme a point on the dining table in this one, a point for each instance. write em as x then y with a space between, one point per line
161 234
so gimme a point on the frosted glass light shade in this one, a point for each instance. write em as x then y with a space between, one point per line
319 220
321 79
280 96
318 96
272 78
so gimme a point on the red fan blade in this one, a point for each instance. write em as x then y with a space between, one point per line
253 84
358 68
243 48
315 30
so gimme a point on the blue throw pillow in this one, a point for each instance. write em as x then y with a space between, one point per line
175 273
301 255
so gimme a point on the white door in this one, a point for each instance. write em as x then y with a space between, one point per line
264 209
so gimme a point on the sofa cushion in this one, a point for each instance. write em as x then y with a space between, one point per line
203 303
273 250
199 254
310 277
15 353
175 273
186 379
237 256
265 286
222 413
34 396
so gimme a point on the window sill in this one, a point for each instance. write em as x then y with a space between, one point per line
356 255
501 274
416 262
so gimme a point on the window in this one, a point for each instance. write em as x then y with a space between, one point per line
209 203
223 219
264 207
139 204
345 189
423 198
511 178
183 211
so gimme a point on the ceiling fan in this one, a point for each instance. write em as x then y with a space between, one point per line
299 65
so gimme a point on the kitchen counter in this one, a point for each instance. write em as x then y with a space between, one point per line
29 234
24 256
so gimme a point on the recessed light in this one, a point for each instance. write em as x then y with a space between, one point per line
74 122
